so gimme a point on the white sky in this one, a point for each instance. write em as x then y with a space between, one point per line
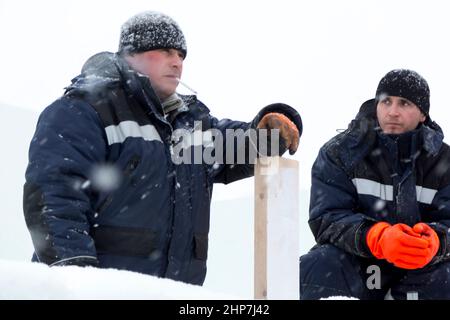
323 57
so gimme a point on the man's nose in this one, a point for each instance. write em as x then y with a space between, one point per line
393 110
177 61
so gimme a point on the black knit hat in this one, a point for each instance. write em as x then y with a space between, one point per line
150 30
407 84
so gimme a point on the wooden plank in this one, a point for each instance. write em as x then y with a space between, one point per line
276 229
260 251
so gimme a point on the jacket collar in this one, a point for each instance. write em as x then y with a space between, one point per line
351 146
107 70
429 132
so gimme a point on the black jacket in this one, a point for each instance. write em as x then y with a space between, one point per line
362 176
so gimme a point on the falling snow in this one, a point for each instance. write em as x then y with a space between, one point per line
105 177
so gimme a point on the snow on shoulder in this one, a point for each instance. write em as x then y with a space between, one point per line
26 280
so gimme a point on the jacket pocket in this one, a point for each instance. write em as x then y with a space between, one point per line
125 241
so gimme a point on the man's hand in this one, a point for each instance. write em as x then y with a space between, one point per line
288 131
403 246
427 233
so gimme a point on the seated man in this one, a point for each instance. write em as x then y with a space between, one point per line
380 201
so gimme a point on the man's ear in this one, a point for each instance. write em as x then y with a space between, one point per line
423 118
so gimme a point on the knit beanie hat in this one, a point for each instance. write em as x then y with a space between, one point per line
407 84
150 30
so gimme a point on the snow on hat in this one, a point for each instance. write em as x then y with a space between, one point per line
407 84
150 30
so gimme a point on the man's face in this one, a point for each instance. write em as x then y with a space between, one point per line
398 115
162 66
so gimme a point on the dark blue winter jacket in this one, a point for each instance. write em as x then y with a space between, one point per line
363 176
156 219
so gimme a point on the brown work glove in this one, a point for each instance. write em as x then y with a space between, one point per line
288 131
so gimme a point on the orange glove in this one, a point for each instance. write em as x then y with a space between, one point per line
428 233
288 130
401 245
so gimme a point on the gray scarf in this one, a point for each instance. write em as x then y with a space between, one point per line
173 105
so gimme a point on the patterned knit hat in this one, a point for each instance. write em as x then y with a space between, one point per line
151 30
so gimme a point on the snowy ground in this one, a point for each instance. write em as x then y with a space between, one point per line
230 261
24 280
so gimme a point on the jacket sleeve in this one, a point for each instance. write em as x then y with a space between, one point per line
334 216
439 219
240 143
68 140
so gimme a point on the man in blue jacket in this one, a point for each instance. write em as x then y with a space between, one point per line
114 180
380 201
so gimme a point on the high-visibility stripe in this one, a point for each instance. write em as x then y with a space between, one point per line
372 188
386 192
425 195
126 129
